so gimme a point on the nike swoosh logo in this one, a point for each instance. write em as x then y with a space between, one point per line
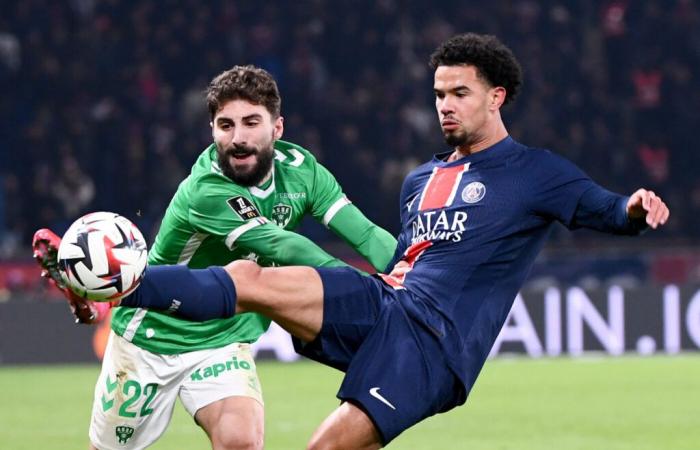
374 392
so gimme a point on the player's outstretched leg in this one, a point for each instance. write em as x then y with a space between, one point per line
194 294
291 296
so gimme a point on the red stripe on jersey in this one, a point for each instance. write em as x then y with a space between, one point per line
414 251
441 188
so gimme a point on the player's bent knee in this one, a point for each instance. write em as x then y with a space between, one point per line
242 270
347 427
237 438
245 275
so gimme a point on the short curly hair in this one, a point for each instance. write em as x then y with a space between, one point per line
495 63
249 83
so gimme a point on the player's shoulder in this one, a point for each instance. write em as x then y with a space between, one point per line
206 172
412 181
426 167
540 158
205 161
290 155
543 166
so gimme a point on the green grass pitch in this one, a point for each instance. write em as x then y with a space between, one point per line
627 403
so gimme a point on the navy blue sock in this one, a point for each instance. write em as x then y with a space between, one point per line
193 294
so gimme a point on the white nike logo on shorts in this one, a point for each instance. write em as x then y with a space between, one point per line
374 392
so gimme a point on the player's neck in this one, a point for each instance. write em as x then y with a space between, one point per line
264 182
489 139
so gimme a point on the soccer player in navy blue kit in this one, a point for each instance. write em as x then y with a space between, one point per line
412 342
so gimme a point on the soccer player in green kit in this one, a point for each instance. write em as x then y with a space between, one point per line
245 192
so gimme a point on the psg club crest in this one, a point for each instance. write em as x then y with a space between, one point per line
473 192
281 214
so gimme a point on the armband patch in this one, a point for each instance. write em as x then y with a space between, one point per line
245 209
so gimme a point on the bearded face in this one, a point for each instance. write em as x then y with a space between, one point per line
244 164
244 134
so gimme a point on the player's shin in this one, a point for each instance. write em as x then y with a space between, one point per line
193 294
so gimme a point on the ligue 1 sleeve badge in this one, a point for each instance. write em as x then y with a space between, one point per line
473 192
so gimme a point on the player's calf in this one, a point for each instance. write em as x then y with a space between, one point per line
193 294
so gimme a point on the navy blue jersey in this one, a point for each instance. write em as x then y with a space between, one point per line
472 228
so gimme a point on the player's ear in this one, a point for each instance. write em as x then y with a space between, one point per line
497 96
211 124
278 128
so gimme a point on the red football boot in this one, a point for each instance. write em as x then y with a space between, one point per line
45 245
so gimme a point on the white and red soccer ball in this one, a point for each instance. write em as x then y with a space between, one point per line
102 256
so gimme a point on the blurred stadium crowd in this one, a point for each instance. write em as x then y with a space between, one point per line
102 100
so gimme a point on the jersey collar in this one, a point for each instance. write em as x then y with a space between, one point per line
263 193
487 153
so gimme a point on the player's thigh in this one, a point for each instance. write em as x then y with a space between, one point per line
233 423
222 392
291 296
134 397
351 305
399 375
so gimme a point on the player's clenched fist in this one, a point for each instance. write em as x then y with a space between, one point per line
646 204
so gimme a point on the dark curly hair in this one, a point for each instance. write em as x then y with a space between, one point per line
495 63
249 83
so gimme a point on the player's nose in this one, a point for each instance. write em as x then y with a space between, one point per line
445 107
239 137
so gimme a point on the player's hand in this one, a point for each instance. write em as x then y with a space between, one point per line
400 269
45 246
647 205
398 273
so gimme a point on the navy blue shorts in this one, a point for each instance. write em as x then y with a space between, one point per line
395 370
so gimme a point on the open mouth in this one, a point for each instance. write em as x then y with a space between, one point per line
242 159
239 156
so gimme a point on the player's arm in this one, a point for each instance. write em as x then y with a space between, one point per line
285 248
374 243
602 210
329 206
570 196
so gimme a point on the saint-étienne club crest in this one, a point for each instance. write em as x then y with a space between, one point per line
124 433
281 214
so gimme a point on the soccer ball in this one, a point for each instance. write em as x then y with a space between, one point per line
102 256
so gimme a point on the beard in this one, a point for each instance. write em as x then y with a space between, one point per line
249 175
459 137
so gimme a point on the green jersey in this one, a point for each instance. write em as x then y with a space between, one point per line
213 221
